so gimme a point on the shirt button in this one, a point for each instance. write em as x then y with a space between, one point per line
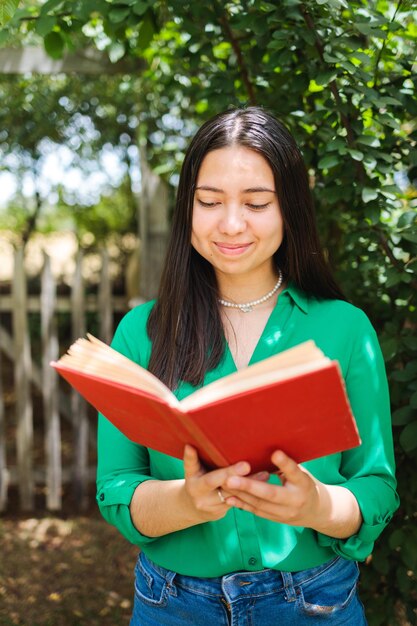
252 560
101 497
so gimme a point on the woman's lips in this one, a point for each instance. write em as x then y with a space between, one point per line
232 249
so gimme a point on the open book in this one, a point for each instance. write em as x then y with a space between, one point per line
294 401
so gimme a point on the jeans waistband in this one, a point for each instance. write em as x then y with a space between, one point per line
244 582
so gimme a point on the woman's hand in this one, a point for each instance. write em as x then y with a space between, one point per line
296 502
301 500
205 489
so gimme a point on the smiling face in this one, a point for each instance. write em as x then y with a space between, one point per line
237 224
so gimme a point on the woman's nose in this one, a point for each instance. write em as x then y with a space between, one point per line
232 221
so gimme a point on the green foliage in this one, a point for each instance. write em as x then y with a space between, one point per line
114 213
7 9
342 76
37 114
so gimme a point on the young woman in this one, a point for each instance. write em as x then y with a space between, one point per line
245 278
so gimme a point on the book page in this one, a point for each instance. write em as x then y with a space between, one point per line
290 363
92 356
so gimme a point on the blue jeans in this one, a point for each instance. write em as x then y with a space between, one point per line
326 594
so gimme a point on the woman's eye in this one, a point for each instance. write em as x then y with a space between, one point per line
258 206
207 204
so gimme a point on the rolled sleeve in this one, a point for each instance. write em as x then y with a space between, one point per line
376 516
122 465
113 499
369 469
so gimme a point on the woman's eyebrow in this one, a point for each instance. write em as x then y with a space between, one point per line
208 188
257 189
249 190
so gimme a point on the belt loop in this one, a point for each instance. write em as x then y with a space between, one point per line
169 577
289 589
167 574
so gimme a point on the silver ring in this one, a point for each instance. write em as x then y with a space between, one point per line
221 496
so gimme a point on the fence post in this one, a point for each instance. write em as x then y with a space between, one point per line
23 364
4 476
78 404
153 227
50 350
105 299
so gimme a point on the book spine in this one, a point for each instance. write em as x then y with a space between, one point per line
207 450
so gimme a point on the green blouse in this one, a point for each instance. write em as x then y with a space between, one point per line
241 540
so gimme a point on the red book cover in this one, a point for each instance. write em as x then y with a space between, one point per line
306 415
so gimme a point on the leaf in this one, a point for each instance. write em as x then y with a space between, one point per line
45 25
201 106
222 50
337 4
50 6
403 581
388 158
280 35
406 219
87 7
390 100
393 277
357 155
407 374
408 437
380 562
369 140
54 45
409 556
410 342
403 416
413 400
364 27
336 144
370 162
118 15
313 87
393 189
146 32
409 236
4 36
397 539
389 348
388 120
116 51
324 78
328 161
369 28
369 194
329 58
140 7
7 10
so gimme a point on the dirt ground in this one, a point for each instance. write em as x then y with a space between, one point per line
64 572
59 570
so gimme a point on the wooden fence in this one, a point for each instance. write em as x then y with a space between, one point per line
58 407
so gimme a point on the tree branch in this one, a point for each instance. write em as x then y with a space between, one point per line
244 72
385 245
28 18
382 48
31 221
345 120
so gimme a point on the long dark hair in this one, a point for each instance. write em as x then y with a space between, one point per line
185 325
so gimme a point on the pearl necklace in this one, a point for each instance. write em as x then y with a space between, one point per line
247 307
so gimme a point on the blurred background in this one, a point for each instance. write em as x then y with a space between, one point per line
98 101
